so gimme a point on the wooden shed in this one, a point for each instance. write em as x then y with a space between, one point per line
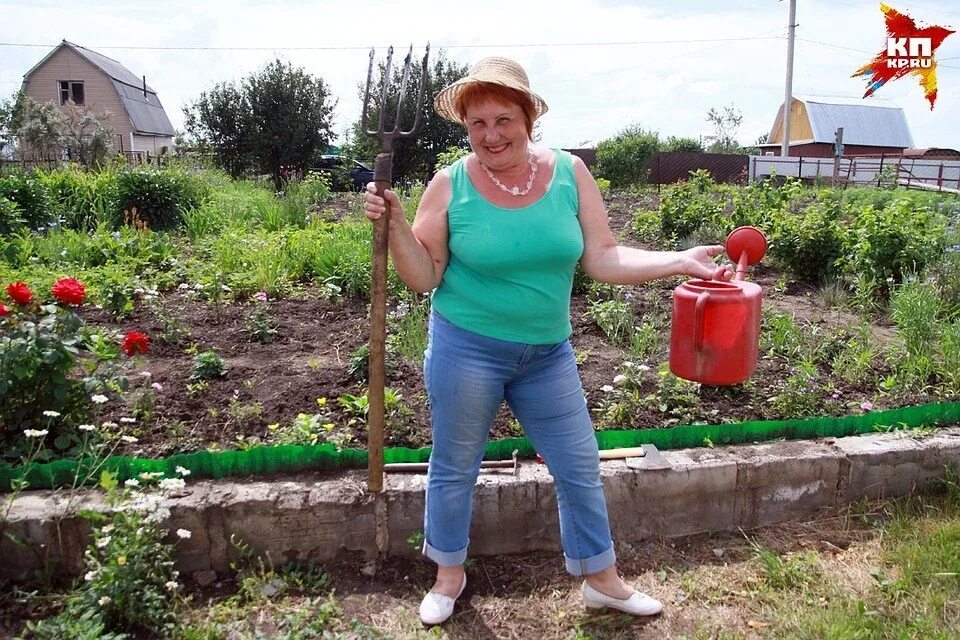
870 126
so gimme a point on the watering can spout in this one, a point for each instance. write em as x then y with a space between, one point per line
746 245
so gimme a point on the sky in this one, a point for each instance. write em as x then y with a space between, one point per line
601 65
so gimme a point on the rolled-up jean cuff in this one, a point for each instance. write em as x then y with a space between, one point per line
445 558
593 564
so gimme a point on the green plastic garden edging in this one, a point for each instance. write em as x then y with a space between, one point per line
291 458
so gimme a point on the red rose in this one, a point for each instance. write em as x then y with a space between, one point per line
69 291
135 342
4 310
20 293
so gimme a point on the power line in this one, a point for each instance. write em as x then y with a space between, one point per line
527 45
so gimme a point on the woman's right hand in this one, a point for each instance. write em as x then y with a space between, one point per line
374 206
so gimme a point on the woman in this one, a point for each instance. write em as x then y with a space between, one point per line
497 237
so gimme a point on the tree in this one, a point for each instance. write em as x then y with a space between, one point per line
54 132
83 136
726 121
220 120
621 159
279 116
412 159
11 115
691 145
39 127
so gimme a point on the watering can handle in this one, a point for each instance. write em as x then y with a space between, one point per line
698 312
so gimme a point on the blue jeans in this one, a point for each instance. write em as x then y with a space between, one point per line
467 376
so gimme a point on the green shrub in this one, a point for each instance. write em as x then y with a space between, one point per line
30 196
621 159
160 197
691 206
807 244
759 204
208 365
11 218
82 200
448 157
881 246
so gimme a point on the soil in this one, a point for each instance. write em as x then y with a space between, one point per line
309 360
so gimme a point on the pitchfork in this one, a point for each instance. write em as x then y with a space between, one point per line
382 176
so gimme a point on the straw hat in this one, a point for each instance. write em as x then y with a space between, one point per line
502 71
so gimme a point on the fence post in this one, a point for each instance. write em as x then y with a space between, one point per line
880 170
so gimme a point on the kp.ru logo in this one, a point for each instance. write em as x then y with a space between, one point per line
920 55
910 50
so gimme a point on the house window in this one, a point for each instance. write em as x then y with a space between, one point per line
71 90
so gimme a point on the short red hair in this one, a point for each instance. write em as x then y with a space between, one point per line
478 91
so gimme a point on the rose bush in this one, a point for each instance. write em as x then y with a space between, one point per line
53 364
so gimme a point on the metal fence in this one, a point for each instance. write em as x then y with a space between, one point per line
920 173
667 167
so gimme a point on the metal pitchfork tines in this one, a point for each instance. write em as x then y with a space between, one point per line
382 176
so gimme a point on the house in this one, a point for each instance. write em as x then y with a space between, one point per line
870 126
102 84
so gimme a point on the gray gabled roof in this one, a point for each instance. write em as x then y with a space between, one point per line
146 113
871 122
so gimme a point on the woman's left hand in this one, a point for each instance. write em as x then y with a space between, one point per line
698 262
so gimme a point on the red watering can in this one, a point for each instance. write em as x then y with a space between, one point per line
716 325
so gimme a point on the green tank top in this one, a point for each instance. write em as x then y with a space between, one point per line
510 271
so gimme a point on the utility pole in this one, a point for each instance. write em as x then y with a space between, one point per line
837 152
788 91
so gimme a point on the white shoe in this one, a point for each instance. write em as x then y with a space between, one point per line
436 607
638 604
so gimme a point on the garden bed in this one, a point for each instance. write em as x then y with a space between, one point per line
269 384
257 316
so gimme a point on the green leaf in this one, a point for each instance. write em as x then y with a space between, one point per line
108 480
62 442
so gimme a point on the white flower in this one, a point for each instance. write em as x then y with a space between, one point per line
35 433
101 543
99 398
172 484
110 425
52 414
90 576
129 439
104 601
627 363
183 286
643 367
128 420
607 388
131 483
145 374
171 586
183 534
619 379
182 471
156 386
87 427
107 528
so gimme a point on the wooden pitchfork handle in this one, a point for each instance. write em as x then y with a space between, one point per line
378 330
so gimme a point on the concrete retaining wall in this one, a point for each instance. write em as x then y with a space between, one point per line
323 518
